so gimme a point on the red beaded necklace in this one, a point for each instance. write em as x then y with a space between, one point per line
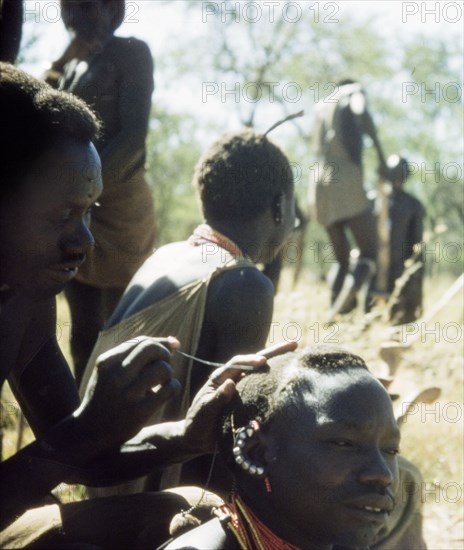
205 232
250 532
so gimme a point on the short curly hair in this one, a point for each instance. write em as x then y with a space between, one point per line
240 175
33 117
70 7
263 396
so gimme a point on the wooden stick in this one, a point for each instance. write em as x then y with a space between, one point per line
383 229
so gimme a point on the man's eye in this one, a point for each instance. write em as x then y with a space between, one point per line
392 452
341 442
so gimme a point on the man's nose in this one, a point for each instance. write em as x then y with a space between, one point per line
79 240
377 470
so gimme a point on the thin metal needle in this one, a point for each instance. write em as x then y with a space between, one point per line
213 364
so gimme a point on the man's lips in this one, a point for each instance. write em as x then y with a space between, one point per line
66 270
74 264
372 505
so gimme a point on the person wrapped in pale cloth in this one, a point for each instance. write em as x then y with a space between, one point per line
207 290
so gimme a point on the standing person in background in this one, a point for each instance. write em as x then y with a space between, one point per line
115 77
406 215
337 195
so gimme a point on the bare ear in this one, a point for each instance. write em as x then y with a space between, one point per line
250 450
277 208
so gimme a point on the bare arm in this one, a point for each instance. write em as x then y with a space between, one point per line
359 109
136 88
89 447
238 314
79 446
369 129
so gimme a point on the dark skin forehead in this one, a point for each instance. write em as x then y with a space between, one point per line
67 172
353 400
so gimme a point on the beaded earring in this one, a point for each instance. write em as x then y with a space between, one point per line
267 484
239 443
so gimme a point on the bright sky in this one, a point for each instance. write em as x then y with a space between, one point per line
160 23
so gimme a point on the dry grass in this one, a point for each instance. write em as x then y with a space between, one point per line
432 437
